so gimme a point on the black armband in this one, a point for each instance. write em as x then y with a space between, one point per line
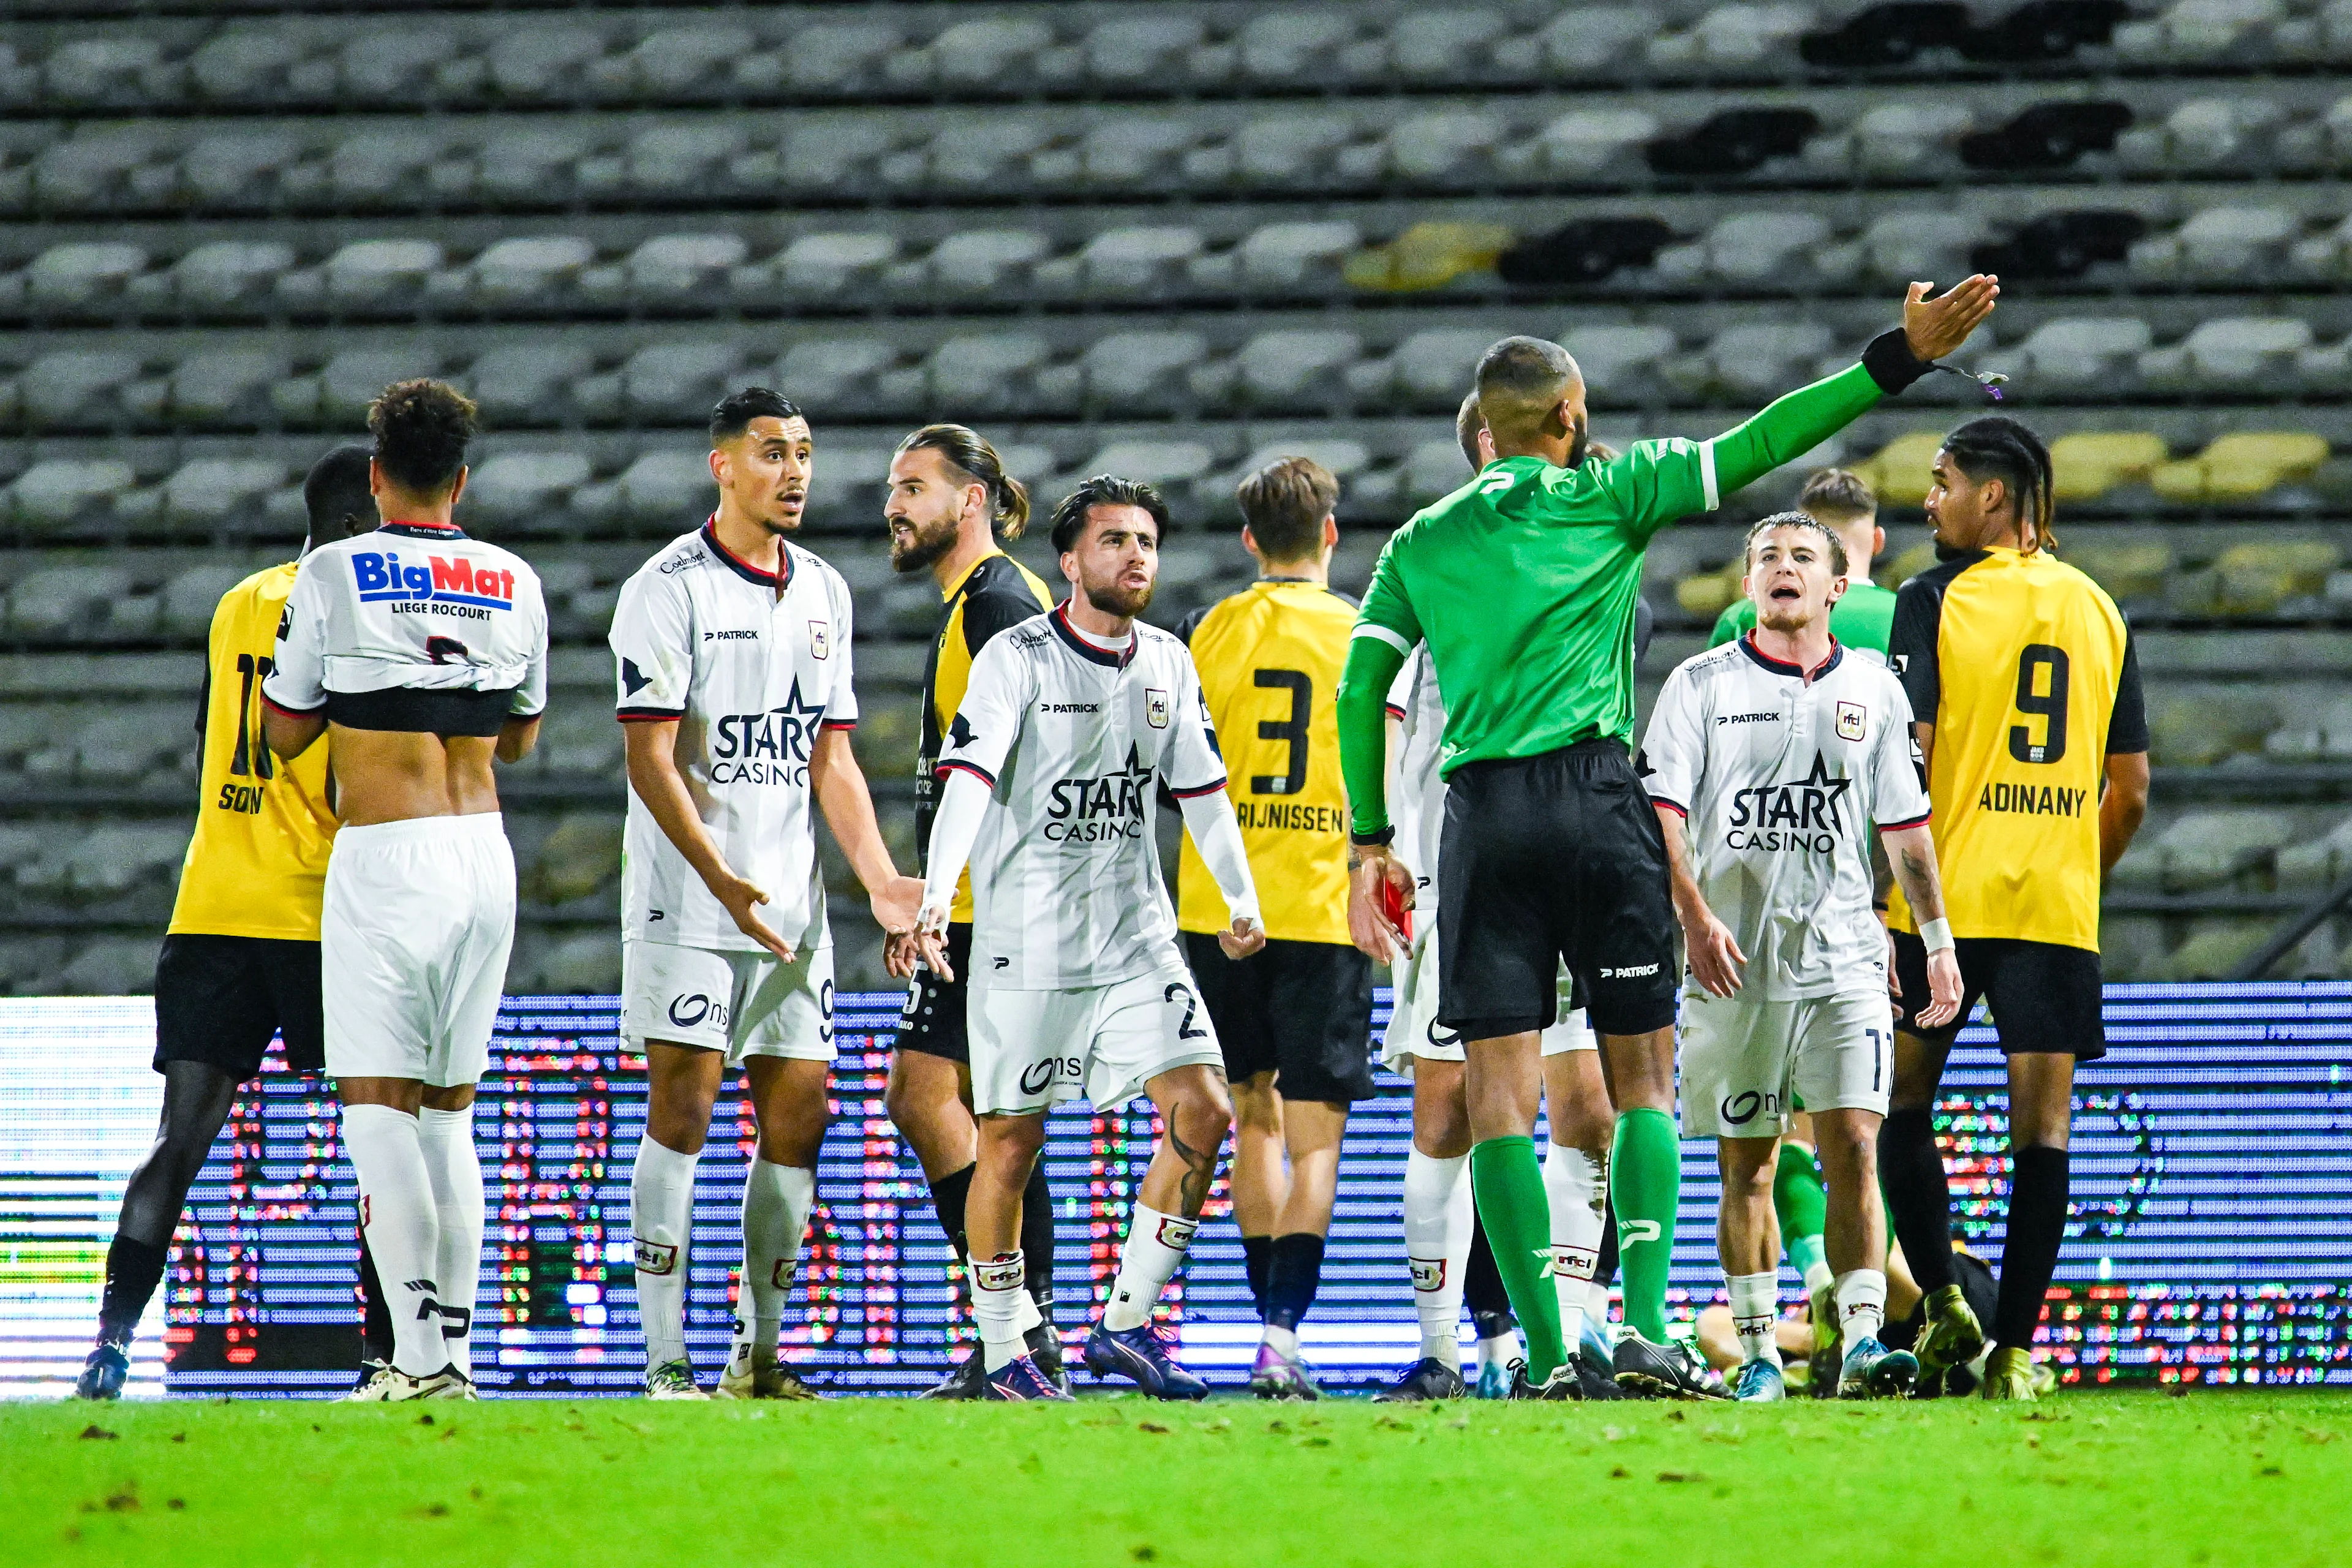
1383 837
1891 362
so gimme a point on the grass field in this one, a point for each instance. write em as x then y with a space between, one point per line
2140 1478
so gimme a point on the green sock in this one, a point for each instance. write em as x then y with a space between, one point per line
1803 1208
1507 1184
1645 1181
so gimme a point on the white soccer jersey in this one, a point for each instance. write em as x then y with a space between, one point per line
1778 779
753 669
1417 802
1070 740
413 626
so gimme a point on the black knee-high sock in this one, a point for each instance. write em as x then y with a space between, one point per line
2037 1228
1293 1273
1037 1238
1604 1263
947 1196
1918 1197
375 1311
1257 1262
1483 1288
134 1270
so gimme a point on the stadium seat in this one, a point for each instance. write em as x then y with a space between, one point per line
1134 260
1619 362
2205 135
1119 154
1294 368
90 170
110 966
528 383
579 856
2085 465
222 275
1287 46
2063 245
1141 373
1293 255
670 62
1757 360
677 157
2207 847
74 389
1583 41
1288 149
672 488
84 276
979 260
2052 135
2194 729
1425 45
63 600
1732 37
1902 245
374 169
982 374
519 490
986 154
1896 140
1898 471
834 56
394 65
344 386
120 68
665 384
2240 467
2312 866
375 272
2327 255
220 493
682 264
1748 247
2087 353
1167 463
532 165
1446 147
2131 571
229 387
2198 31
843 376
1432 368
820 264
1152 48
238 168
2237 351
531 271
533 63
245 64
821 155
1426 256
2218 244
2261 578
2213 949
1596 145
56 493
1585 250
985 50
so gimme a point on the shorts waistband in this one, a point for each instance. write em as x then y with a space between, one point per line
1592 748
423 830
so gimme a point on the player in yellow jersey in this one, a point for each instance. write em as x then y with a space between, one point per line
240 960
949 502
2033 731
1295 1018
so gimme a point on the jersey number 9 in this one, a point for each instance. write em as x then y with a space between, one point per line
2051 706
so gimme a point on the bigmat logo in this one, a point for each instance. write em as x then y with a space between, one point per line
438 582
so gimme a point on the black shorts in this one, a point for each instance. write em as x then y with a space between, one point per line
219 998
933 1019
2043 996
1550 859
1300 1010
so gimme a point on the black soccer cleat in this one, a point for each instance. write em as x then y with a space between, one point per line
1596 1376
1671 1371
1426 1379
968 1379
104 1374
1044 1345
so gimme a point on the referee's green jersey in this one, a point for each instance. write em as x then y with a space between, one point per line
1864 618
1523 584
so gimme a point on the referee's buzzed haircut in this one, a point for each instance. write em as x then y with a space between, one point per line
735 412
1520 380
335 494
1467 423
1284 504
421 429
1839 492
1104 489
1797 520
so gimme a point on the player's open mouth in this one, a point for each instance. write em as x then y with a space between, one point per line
1787 593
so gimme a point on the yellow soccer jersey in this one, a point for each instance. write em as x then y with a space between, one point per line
257 864
2026 668
1269 659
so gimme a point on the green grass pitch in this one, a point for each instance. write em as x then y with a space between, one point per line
2146 1480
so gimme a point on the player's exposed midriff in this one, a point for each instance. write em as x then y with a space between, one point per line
397 775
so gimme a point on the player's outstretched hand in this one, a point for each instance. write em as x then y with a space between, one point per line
897 903
1369 926
927 945
1943 989
1245 938
1715 958
742 901
1934 327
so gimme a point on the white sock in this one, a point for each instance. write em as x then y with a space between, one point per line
661 1223
997 1292
1500 1350
1755 1304
1861 1307
445 1138
1577 1187
1284 1342
1030 1313
403 1229
1596 1307
1437 1228
776 1202
1818 1278
1155 1248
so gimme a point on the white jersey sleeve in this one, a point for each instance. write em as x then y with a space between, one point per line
1192 764
1898 771
530 698
652 641
1674 749
996 698
297 682
840 697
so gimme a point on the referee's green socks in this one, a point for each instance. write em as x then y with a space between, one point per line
1803 1206
1645 1181
1507 1184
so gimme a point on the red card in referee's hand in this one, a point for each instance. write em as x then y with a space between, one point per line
1393 906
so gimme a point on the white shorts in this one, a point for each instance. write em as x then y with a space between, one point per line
1033 1049
1743 1060
743 1004
1414 1030
413 942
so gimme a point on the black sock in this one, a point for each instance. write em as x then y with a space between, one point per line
1918 1197
947 1196
134 1270
2037 1228
1257 1262
1604 1263
375 1311
1037 1238
1483 1288
1293 1274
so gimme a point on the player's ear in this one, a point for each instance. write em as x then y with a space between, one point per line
719 467
1249 540
1877 542
1330 533
458 486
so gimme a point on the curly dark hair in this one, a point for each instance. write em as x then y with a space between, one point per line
421 428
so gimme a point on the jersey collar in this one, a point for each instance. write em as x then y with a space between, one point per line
1782 667
423 530
742 568
1060 621
948 593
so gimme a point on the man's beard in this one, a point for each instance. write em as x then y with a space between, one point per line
927 543
1113 600
1581 446
1788 622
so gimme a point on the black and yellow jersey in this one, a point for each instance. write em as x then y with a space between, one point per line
2026 669
995 592
257 864
1269 659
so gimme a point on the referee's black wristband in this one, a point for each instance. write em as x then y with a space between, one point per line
1891 362
1383 837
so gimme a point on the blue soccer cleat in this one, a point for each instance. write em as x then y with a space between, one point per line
104 1374
1020 1379
1140 1354
1758 1382
1873 1372
1495 1379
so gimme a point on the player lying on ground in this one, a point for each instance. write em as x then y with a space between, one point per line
421 655
732 648
1523 584
1071 720
240 960
2027 696
949 502
1768 761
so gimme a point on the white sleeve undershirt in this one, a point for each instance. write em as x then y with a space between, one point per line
1210 819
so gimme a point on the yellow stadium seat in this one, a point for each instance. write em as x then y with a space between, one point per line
1898 570
2197 730
1427 256
2127 569
2240 467
1704 595
2091 463
2253 579
1899 470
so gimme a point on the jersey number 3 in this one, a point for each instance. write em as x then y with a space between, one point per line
2051 706
1292 730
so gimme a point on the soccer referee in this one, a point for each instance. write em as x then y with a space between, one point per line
1523 585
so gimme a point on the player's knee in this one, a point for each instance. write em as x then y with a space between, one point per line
1202 1114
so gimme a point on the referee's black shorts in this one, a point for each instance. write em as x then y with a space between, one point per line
933 1019
2044 998
1549 859
1300 1010
218 999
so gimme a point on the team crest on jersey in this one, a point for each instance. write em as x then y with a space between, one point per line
1155 707
1852 720
819 643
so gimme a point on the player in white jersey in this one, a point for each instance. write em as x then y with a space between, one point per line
1767 759
1070 722
732 648
420 654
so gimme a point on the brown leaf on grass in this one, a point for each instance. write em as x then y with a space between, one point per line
1682 1474
1145 1553
179 1437
426 1419
94 1431
176 1504
125 1501
1151 1426
432 1511
1620 1473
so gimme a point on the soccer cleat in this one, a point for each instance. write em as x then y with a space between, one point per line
369 1370
1561 1386
1950 1338
1758 1382
1020 1379
1279 1376
968 1379
1873 1372
2010 1375
673 1380
1497 1379
1426 1379
1140 1354
757 1379
1045 1342
1822 1366
1596 1375
104 1374
393 1386
1671 1371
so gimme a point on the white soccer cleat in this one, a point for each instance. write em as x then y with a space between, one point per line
751 1377
673 1380
393 1386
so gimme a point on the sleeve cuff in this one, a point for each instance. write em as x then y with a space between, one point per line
850 723
649 715
1677 807
1378 836
1197 790
1379 633
1920 821
1891 362
974 769
292 712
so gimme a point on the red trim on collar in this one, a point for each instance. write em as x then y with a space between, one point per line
741 567
1077 644
1782 667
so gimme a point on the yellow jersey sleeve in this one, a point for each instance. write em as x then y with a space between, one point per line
257 863
1269 659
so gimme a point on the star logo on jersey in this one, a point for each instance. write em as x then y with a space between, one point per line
766 748
1103 808
959 733
1798 816
1853 720
632 680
